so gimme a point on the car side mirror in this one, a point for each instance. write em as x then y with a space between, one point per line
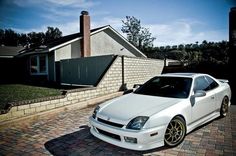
197 93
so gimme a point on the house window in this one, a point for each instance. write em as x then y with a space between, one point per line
38 65
33 64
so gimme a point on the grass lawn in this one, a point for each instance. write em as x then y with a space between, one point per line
19 92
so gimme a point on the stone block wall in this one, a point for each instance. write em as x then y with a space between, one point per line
112 80
139 70
136 71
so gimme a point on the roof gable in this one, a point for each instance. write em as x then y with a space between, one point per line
68 39
65 40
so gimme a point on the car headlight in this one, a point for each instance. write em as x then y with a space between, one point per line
137 123
95 112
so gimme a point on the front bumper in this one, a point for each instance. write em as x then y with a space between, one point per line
115 136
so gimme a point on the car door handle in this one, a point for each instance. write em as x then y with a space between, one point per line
212 97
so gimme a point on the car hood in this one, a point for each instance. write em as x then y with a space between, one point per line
129 106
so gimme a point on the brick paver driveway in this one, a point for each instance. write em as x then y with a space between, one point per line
67 133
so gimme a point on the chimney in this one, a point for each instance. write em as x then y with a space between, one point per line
85 30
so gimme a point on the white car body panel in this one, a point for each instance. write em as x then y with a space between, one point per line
129 102
142 136
160 110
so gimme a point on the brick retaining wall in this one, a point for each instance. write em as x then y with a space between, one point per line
139 70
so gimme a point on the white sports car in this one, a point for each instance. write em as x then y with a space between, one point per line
162 111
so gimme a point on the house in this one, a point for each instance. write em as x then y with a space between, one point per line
9 65
43 61
9 52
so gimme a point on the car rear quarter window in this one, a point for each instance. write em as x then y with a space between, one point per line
204 83
212 83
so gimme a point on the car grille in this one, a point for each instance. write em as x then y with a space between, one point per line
114 136
110 123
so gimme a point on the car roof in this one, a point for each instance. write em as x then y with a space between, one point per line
190 75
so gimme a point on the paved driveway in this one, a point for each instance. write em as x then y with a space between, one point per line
67 133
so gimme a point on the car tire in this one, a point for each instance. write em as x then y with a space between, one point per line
224 107
175 132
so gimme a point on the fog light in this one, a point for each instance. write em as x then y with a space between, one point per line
131 140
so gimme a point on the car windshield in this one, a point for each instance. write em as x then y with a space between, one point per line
174 87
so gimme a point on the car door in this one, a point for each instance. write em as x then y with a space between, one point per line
205 105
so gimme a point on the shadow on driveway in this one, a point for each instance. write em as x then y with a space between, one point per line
82 142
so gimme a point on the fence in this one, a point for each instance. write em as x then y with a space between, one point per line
84 71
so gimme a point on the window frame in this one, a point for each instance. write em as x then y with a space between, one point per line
38 64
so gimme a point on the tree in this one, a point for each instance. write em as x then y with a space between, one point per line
10 38
2 34
36 38
23 39
137 35
132 28
52 33
145 40
181 47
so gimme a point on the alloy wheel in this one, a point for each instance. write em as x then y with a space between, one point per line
175 132
224 107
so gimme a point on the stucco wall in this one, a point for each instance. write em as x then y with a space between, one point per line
69 51
75 49
128 47
103 43
63 53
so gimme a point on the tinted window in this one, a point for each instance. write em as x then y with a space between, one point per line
201 84
176 87
212 83
204 83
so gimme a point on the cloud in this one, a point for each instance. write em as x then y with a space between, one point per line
56 15
183 32
26 31
56 3
67 28
73 26
73 3
57 9
113 21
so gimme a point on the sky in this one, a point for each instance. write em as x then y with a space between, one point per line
172 22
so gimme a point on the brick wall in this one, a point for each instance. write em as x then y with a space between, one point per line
139 70
136 71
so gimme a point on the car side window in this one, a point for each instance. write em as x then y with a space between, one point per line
213 83
204 83
200 83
